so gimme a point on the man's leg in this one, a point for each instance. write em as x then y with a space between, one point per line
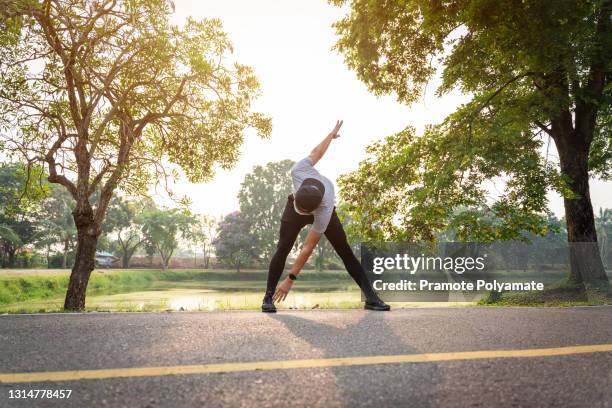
288 234
337 238
291 224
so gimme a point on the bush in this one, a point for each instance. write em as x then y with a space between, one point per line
29 259
18 289
55 260
15 289
334 266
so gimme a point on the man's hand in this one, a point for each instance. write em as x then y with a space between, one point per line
334 133
309 243
282 290
321 148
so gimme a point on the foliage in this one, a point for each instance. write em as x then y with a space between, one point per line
204 234
161 229
603 222
235 245
19 289
262 197
324 255
154 92
21 193
528 66
56 223
111 94
123 222
351 228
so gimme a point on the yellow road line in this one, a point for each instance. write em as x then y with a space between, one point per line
292 364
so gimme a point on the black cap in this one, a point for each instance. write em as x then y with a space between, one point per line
309 195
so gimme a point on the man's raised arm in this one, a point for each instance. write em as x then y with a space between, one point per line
321 148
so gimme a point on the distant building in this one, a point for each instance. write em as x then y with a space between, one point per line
105 259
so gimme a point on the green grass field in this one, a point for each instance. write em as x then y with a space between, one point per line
27 291
156 290
557 294
24 291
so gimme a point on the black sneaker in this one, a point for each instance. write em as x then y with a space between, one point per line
376 304
268 304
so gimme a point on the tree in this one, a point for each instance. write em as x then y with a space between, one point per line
205 235
351 228
604 230
534 71
161 229
122 221
262 197
20 196
235 244
110 94
323 252
10 241
56 222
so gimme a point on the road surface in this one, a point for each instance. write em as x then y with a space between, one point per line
450 357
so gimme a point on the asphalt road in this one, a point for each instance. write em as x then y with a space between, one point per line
66 342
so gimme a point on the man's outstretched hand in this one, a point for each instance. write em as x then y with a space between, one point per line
282 290
321 148
334 133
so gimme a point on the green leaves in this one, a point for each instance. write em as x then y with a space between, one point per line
480 172
111 95
7 234
161 229
383 42
21 195
262 197
235 245
409 186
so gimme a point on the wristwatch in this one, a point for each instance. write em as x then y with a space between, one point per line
292 277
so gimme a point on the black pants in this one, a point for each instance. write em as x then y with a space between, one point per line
291 225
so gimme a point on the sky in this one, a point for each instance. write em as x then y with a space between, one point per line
305 88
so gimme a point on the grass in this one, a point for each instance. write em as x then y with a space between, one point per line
558 294
14 289
157 290
19 288
190 289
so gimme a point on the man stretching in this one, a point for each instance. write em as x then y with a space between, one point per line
313 203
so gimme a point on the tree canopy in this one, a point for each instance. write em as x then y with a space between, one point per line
56 223
235 245
161 229
502 52
111 94
21 196
262 198
535 72
123 222
107 93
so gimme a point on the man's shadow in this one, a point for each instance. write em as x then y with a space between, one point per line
406 384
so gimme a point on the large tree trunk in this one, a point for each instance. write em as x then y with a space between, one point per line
127 251
125 260
165 260
206 257
125 256
11 256
3 255
84 263
585 262
65 257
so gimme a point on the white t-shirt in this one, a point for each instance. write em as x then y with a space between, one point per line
322 214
